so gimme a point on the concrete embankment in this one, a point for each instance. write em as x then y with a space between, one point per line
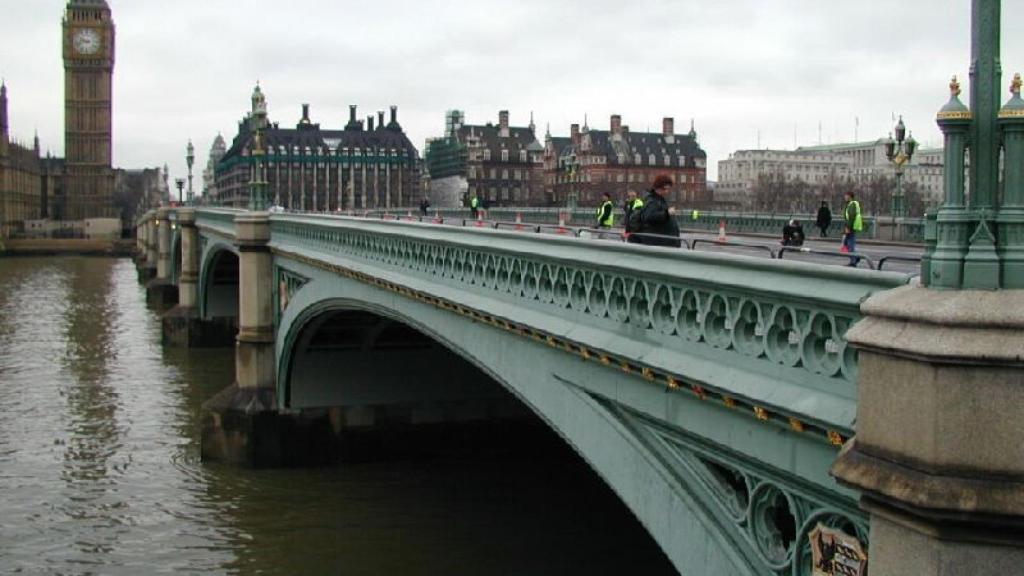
62 247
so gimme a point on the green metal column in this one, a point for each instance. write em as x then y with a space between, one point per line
953 222
1011 211
981 265
985 81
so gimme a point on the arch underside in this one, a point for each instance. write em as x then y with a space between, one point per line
712 509
218 279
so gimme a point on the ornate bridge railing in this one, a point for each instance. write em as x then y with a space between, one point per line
758 335
880 228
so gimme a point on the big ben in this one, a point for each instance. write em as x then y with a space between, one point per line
88 74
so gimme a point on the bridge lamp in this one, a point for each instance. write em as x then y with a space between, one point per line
180 183
190 157
899 152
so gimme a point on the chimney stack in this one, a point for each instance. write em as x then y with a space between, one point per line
394 117
352 113
369 123
305 113
616 124
668 127
503 123
380 119
574 133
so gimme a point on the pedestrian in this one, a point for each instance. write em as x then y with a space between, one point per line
424 206
632 203
474 206
657 217
793 233
605 212
854 224
824 219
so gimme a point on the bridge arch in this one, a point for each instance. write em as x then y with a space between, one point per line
218 281
667 500
175 263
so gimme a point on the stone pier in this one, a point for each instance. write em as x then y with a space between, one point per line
182 325
160 292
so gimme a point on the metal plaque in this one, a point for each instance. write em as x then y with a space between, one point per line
836 553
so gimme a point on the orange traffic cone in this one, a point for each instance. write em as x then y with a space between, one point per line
721 230
519 220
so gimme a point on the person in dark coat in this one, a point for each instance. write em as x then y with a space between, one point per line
657 217
793 234
424 206
824 219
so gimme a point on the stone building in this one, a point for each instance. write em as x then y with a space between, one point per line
136 191
360 167
501 164
217 151
738 175
579 169
21 170
820 165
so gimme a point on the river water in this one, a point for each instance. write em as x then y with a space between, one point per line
100 469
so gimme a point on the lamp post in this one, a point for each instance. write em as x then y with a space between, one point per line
180 183
257 186
899 152
572 174
190 157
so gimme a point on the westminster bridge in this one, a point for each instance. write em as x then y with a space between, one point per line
712 392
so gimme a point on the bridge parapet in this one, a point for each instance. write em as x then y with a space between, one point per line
219 220
765 336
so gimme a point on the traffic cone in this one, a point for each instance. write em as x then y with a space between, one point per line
721 230
561 223
519 220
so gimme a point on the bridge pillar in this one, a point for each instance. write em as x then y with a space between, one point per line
241 424
160 291
147 260
182 325
938 453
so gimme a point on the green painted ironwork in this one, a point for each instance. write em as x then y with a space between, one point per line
696 347
980 241
788 323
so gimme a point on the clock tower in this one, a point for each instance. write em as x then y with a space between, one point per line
88 72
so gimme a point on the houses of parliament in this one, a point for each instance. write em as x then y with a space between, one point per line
80 186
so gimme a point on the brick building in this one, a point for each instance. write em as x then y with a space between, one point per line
589 162
501 164
310 168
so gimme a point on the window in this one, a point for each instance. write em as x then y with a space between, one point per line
504 174
504 155
487 153
522 155
650 160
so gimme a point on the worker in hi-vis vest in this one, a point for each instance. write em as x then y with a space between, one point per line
854 224
605 212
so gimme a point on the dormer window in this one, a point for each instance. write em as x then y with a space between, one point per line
650 159
487 154
522 155
636 160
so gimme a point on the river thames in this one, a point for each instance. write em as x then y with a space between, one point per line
100 469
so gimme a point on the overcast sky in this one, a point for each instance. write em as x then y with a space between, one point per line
739 68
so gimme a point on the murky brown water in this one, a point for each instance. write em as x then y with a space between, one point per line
99 467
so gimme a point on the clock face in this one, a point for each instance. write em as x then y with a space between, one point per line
87 41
